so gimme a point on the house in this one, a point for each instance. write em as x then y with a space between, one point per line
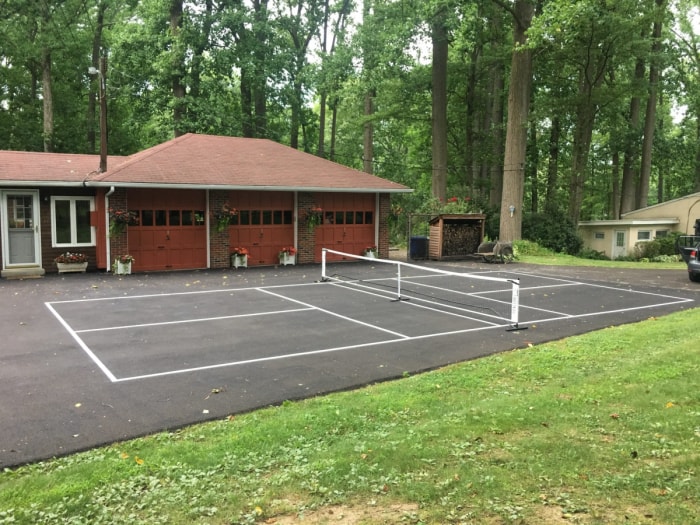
616 238
174 192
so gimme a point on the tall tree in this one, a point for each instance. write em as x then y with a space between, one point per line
523 12
650 116
440 39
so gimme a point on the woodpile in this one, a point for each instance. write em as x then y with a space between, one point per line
456 235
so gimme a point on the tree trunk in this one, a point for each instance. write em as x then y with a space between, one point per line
496 167
629 175
516 130
531 166
615 197
650 117
92 97
440 50
47 96
259 81
368 137
553 166
177 66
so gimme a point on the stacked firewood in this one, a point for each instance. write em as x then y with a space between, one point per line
460 239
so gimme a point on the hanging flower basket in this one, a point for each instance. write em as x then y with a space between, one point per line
120 219
223 217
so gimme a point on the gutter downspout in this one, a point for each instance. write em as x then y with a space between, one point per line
108 247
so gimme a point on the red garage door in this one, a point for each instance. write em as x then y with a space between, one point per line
348 223
172 233
264 224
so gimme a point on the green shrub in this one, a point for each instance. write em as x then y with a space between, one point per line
552 230
658 247
588 253
530 248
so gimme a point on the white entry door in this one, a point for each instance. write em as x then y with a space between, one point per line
619 244
20 228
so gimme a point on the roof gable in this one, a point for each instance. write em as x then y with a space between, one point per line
238 163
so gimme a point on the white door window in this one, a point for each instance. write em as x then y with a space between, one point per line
20 210
620 245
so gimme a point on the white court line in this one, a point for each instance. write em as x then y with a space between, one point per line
302 354
184 321
397 334
82 345
356 287
401 337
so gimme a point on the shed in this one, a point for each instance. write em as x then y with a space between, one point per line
456 235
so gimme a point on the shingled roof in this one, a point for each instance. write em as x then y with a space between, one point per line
195 161
49 169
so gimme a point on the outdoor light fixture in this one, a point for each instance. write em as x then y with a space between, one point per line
512 210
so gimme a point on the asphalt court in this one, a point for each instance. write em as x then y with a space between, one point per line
141 337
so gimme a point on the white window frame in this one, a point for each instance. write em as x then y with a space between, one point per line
599 236
73 226
646 233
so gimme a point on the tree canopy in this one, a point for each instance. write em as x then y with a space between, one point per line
588 109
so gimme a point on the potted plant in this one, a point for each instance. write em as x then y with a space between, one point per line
223 217
287 255
71 262
122 264
239 257
370 252
313 217
120 219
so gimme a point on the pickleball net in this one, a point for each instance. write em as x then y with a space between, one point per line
495 300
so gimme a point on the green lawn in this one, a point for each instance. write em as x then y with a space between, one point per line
601 428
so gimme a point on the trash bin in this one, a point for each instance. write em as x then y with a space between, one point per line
418 247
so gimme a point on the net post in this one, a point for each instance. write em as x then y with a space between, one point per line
398 286
515 307
324 277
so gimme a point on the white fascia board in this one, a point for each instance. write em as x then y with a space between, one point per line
631 222
246 188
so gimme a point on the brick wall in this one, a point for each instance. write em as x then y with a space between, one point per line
219 243
306 235
383 221
119 244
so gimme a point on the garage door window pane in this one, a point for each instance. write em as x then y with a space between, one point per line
187 218
277 217
245 217
174 219
199 217
339 216
255 217
267 216
161 217
288 216
359 217
146 217
349 217
368 217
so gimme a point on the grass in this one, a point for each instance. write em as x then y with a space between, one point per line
600 428
560 259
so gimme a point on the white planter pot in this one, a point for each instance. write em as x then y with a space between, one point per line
123 268
71 267
239 261
370 255
286 259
